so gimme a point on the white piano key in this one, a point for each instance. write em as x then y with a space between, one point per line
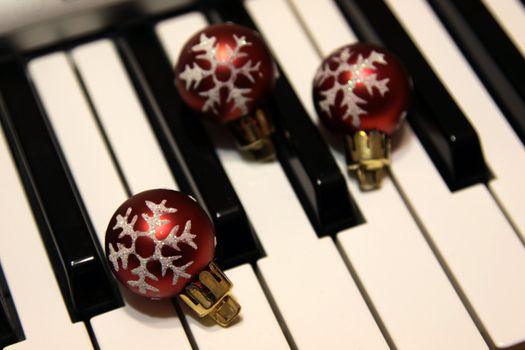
173 34
326 35
32 284
139 324
510 15
122 117
124 122
293 249
77 132
403 279
299 267
319 303
469 231
503 150
478 245
498 263
256 326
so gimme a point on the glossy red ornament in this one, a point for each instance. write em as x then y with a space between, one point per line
157 241
361 87
225 71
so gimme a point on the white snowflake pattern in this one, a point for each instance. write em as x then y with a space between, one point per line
350 100
194 74
154 222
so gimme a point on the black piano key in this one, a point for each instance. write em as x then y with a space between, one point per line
309 166
78 262
180 131
490 52
301 150
439 123
493 38
10 328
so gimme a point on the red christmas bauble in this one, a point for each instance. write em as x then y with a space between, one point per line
157 241
361 87
225 71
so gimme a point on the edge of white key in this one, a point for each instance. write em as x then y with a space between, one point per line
122 116
35 308
93 171
68 111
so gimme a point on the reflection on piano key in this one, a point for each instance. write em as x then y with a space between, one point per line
124 121
184 135
497 62
305 276
390 256
140 323
45 320
86 284
256 328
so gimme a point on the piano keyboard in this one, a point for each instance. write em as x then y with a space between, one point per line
435 259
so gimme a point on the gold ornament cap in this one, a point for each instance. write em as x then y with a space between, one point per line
253 135
209 295
367 154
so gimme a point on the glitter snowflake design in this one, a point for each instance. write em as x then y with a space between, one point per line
350 100
193 75
172 240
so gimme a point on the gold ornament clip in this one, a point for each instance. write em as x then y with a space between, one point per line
253 134
368 153
209 296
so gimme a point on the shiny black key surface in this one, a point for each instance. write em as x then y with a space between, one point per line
179 131
497 62
302 152
78 262
10 327
444 131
